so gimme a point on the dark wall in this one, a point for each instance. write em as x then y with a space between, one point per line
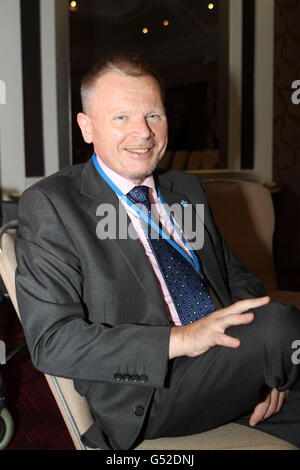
287 141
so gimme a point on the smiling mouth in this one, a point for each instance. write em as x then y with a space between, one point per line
138 150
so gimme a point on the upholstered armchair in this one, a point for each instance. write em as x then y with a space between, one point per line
244 213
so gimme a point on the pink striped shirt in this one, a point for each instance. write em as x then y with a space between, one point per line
125 185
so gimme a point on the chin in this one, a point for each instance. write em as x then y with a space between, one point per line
140 175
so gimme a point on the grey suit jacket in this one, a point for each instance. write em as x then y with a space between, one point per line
92 309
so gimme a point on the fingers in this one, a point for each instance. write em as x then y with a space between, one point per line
234 315
281 400
271 405
241 307
198 337
247 304
237 319
260 411
227 341
222 339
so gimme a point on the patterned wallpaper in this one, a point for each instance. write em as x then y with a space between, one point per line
287 138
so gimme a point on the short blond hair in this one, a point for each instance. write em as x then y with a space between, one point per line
133 66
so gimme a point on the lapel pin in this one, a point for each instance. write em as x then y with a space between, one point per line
184 203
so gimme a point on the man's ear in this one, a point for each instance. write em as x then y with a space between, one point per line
84 122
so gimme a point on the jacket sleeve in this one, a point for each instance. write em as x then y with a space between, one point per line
241 283
61 339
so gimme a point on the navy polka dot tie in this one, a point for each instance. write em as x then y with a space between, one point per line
188 290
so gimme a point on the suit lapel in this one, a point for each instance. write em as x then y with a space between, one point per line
130 250
206 253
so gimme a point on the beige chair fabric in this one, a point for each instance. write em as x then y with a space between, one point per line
179 159
165 162
195 160
244 213
231 436
245 216
202 159
78 418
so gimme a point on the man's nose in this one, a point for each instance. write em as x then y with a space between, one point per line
142 129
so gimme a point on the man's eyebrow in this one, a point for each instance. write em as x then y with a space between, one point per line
119 111
157 110
127 111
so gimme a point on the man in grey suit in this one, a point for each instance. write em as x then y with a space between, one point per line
97 307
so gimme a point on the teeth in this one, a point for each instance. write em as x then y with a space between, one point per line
138 150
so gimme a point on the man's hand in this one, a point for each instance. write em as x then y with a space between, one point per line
196 338
268 407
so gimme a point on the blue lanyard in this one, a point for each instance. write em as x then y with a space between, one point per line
124 198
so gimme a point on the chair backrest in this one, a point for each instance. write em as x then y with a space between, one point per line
202 159
244 213
166 160
73 407
179 159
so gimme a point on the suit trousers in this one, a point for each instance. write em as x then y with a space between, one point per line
224 384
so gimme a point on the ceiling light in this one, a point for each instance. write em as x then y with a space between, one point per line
73 5
165 22
210 6
145 30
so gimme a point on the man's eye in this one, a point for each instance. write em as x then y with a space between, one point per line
153 116
121 118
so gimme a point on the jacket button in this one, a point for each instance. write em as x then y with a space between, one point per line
135 378
139 410
144 378
118 376
126 377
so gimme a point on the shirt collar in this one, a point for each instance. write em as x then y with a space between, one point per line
124 184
